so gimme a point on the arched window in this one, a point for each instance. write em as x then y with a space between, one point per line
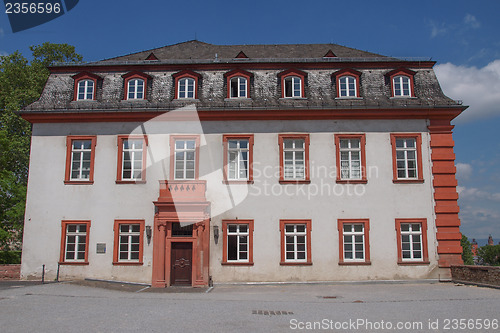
85 90
401 85
186 88
347 86
293 86
135 89
238 87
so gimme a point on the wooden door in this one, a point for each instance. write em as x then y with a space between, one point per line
182 268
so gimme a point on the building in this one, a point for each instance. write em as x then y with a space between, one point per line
195 162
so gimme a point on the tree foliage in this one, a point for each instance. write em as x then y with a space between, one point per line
489 255
21 83
467 256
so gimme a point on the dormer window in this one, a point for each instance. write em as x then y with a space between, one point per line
292 83
347 83
85 86
136 85
238 83
186 84
402 83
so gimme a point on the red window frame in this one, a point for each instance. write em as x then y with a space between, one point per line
225 243
119 170
116 244
305 137
362 142
69 150
347 72
366 228
62 257
225 139
135 75
418 142
425 250
237 73
402 72
308 260
293 72
183 74
196 139
85 76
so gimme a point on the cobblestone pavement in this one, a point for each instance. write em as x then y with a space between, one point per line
98 307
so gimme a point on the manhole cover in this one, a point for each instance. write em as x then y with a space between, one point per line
271 313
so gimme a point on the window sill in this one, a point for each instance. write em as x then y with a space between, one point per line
408 181
349 98
287 263
119 263
306 181
412 263
352 181
238 99
76 263
227 182
130 182
133 100
84 100
225 263
403 97
355 263
78 182
292 98
186 100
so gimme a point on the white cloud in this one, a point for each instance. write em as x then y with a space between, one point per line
471 21
437 29
464 171
479 88
472 193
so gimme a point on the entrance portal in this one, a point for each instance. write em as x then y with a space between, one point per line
182 264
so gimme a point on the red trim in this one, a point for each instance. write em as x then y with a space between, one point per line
62 261
366 228
250 242
418 142
152 57
250 139
402 72
308 224
307 179
135 75
362 142
425 253
329 54
69 145
85 76
196 139
116 228
236 73
183 74
241 55
347 72
293 72
119 164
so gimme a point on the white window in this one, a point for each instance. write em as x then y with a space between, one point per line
238 87
186 88
81 154
347 86
406 158
350 159
237 242
129 242
293 86
132 159
85 90
76 242
237 159
184 163
411 241
294 159
354 242
295 242
136 89
401 85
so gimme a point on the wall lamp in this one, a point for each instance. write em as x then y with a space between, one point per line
216 234
148 233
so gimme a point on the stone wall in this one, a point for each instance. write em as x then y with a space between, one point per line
10 272
482 275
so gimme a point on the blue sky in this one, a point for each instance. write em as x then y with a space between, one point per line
462 36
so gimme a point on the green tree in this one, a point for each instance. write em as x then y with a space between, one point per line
467 256
21 83
489 255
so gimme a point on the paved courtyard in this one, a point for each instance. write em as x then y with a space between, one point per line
428 307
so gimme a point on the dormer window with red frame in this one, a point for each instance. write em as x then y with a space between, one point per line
347 83
186 84
135 85
85 86
292 83
238 83
402 83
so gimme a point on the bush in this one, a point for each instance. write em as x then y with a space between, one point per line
467 256
489 255
10 257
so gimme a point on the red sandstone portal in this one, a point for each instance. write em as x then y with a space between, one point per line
182 218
